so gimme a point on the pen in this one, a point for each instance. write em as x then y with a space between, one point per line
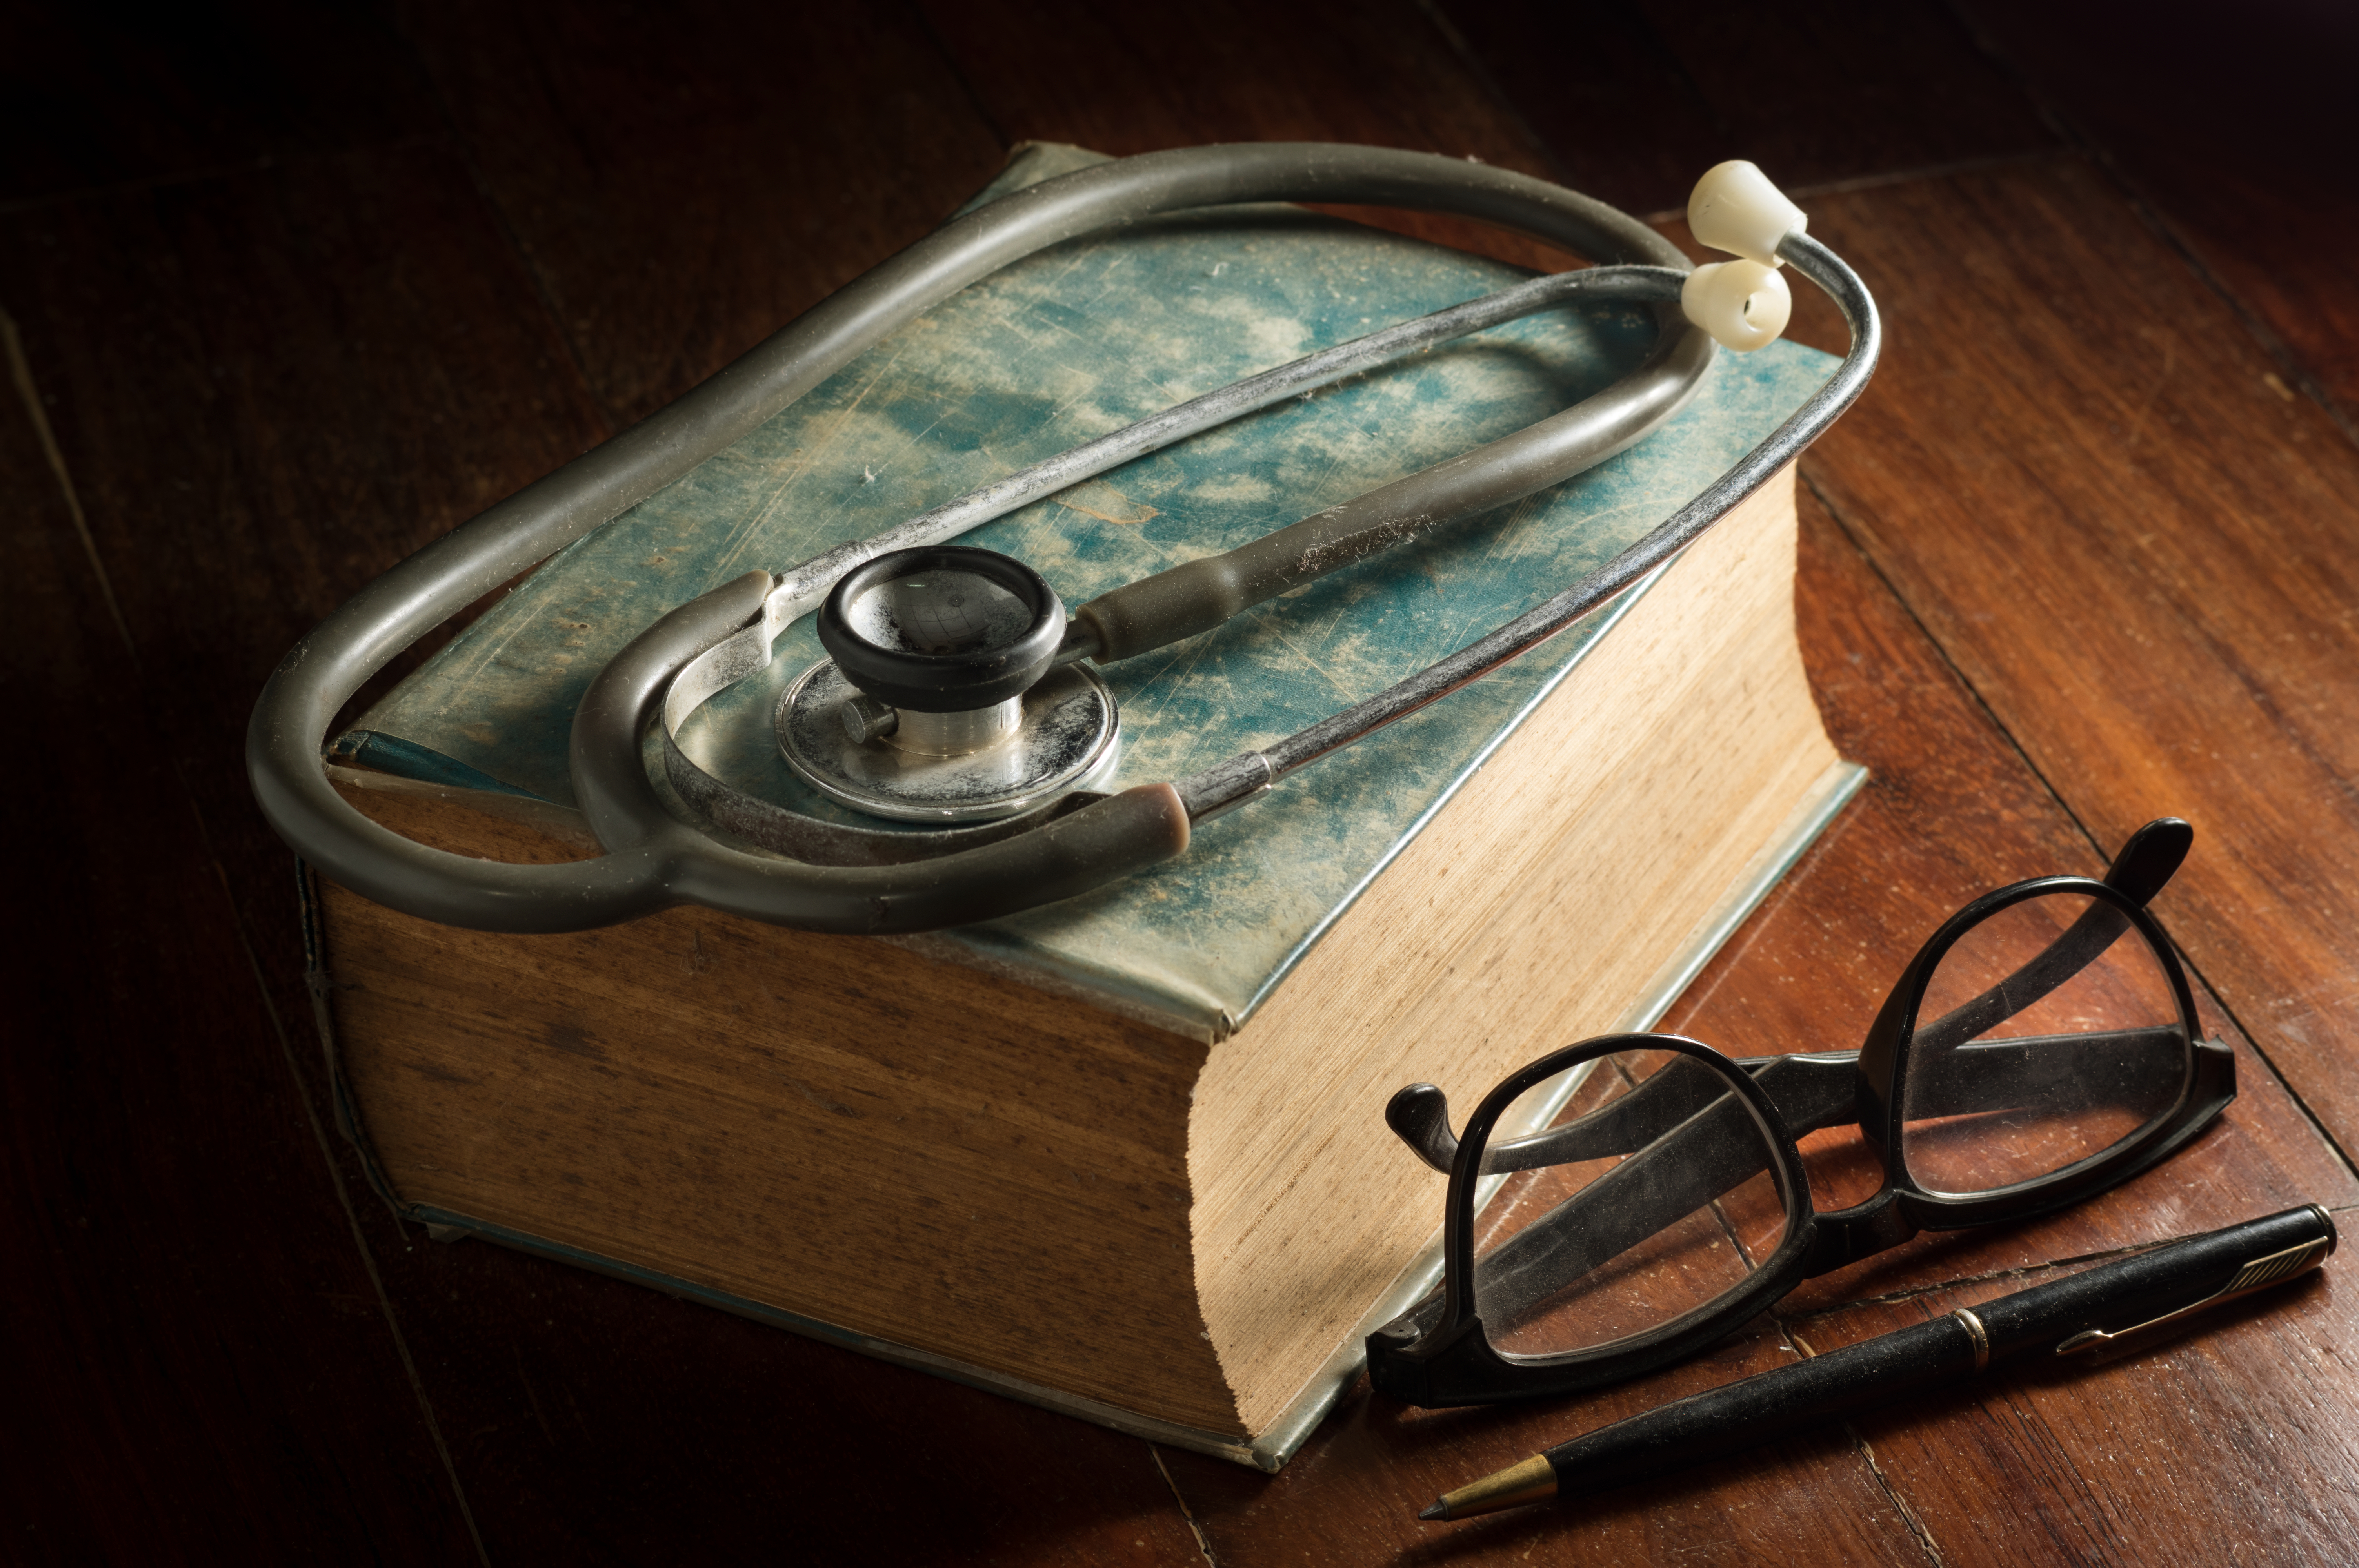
2082 1315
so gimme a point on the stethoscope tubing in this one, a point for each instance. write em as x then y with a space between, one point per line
653 860
1226 783
1551 449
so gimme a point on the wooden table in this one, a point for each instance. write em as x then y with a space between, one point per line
290 293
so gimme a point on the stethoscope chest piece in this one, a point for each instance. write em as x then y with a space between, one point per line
944 701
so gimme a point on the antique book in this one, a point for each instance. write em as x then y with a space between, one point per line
1122 1155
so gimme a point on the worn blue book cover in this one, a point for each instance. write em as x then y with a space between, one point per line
1066 346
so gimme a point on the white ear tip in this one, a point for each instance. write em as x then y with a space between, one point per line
1736 209
1743 304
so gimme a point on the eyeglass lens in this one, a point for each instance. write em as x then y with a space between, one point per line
2048 1034
1639 1188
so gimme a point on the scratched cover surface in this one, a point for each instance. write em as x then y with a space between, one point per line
1074 343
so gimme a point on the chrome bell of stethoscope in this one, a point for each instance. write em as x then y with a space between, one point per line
945 698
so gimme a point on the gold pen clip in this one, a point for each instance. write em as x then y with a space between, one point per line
2258 1274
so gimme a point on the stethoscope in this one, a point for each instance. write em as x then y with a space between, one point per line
958 692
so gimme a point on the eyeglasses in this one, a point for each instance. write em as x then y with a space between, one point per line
1626 1201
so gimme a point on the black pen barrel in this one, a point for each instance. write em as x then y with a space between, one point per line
2113 1298
1754 1410
2140 1289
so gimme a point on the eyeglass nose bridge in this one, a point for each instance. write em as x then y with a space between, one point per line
1845 1236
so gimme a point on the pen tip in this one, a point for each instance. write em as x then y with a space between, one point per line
1532 1481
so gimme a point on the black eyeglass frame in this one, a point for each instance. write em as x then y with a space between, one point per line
1452 1361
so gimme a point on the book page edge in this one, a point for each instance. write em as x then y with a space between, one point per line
1811 816
1275 1445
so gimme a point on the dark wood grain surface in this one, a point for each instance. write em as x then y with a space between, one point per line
291 291
2231 135
198 1351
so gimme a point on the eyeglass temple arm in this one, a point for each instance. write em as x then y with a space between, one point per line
2151 859
1810 1092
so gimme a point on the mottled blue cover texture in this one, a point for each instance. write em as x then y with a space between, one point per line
1076 342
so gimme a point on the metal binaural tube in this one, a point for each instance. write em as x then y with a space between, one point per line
1198 595
1228 784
